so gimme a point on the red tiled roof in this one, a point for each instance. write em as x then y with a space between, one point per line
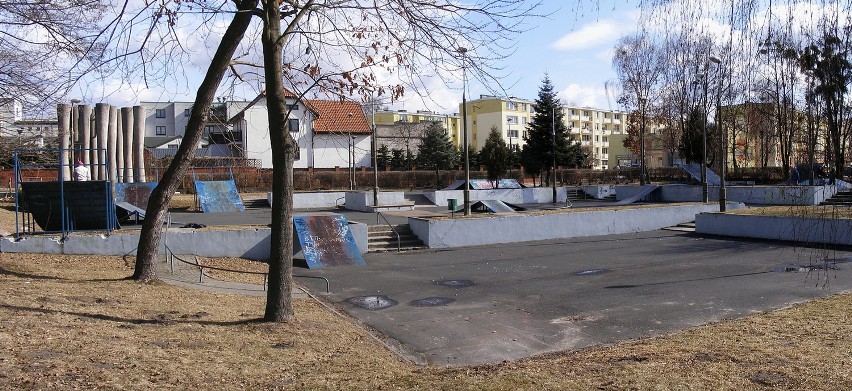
339 117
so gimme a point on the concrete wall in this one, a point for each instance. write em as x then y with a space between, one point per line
447 233
243 243
530 195
788 228
599 191
362 200
331 150
753 195
314 200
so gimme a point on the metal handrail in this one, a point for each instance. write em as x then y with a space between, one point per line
201 268
398 240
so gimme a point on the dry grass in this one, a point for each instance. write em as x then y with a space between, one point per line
74 322
822 212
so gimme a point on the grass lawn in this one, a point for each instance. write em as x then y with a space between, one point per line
74 322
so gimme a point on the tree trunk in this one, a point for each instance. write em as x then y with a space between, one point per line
155 212
279 298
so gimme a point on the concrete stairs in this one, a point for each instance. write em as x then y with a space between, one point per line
256 203
381 238
842 198
575 194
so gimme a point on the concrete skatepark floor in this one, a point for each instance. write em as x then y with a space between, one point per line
511 301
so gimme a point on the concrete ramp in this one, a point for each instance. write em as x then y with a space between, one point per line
87 205
135 194
326 240
484 184
219 196
126 211
694 170
646 190
491 206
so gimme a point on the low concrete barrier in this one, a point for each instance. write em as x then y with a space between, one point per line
752 195
510 228
362 201
314 200
232 243
598 192
787 228
529 195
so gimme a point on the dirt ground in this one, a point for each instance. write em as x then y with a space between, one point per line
76 322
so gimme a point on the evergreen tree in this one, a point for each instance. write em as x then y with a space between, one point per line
691 142
495 156
383 157
548 118
397 160
436 151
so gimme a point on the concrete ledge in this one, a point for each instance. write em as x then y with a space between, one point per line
237 243
314 200
599 192
754 195
448 233
362 201
787 228
530 195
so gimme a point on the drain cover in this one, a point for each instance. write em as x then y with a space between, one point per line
431 302
372 303
590 272
455 283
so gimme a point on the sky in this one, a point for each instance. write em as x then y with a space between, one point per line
573 45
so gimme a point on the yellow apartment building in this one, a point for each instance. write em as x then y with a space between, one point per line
509 115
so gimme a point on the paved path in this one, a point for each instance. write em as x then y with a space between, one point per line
531 298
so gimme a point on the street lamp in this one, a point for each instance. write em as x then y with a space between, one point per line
553 149
375 154
642 103
509 133
723 142
463 52
704 193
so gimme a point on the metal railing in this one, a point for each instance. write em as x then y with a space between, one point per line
398 240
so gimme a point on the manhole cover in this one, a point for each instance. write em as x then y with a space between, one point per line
590 272
431 302
372 303
455 283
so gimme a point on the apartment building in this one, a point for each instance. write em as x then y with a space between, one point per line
27 132
509 115
401 129
602 132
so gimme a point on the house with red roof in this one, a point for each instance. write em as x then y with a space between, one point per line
329 133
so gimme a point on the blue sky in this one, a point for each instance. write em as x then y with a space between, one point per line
573 45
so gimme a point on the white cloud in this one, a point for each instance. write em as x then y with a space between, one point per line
590 35
586 96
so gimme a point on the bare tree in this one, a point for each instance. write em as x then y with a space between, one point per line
44 46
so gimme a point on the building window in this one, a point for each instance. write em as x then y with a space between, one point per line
586 137
209 129
173 146
293 125
512 119
160 130
294 107
511 105
605 151
403 118
585 113
186 112
605 139
161 113
597 138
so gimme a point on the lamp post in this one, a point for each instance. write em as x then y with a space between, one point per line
642 103
553 149
463 52
723 142
704 193
509 133
375 155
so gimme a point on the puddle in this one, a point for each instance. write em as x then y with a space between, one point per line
372 303
455 283
590 272
431 302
